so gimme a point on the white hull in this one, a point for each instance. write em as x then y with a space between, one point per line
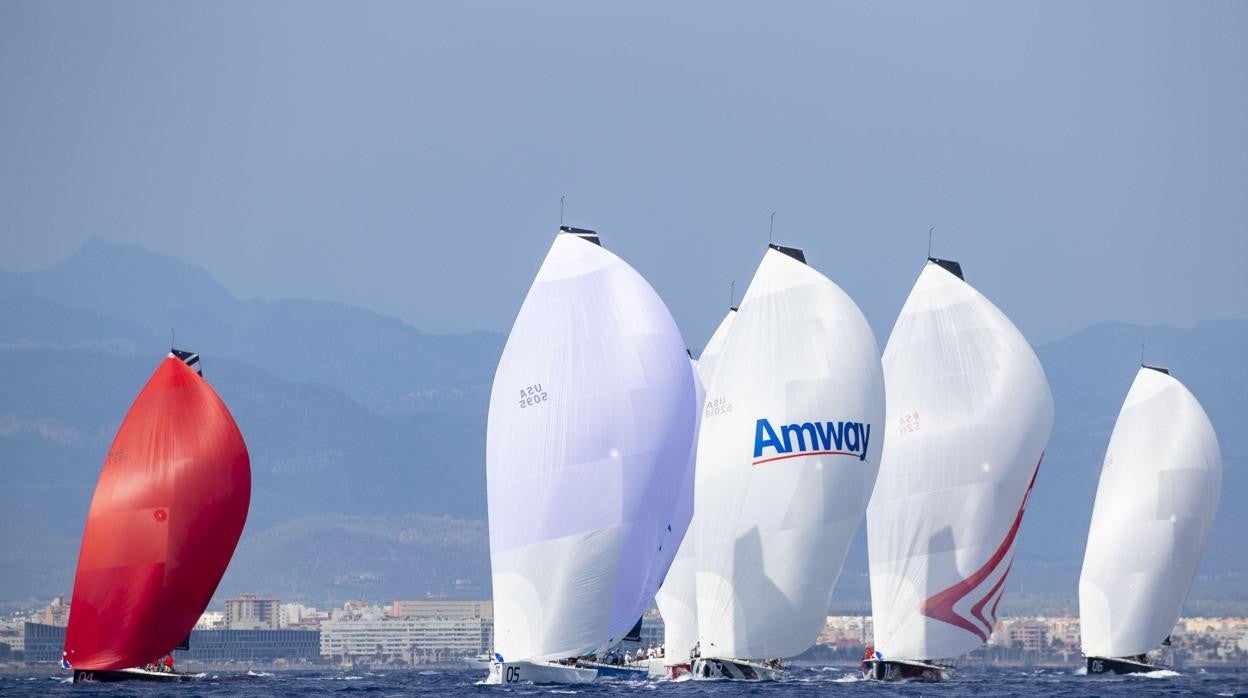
538 672
707 669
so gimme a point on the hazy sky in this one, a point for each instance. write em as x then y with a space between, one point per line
1084 161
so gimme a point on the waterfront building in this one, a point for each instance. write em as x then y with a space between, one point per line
43 642
252 612
233 645
442 608
846 631
296 615
13 635
56 612
412 640
652 629
210 620
358 610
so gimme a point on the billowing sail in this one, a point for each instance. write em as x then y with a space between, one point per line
590 424
677 599
1157 496
969 416
787 456
167 513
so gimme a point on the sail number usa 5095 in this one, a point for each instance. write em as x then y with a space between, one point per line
532 395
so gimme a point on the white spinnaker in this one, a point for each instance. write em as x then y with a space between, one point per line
677 598
771 538
709 358
589 426
969 416
1156 500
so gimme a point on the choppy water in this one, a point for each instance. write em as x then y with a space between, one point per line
804 682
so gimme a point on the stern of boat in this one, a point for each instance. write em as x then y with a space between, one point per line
891 670
710 669
1118 665
538 672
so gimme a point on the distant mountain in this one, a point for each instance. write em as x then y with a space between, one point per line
385 364
1090 373
367 435
345 412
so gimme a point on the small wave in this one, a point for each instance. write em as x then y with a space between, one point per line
849 678
258 673
427 672
1161 674
563 692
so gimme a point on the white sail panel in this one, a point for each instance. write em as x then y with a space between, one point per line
787 456
969 416
709 358
1158 493
590 421
677 598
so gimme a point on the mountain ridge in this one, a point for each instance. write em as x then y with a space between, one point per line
355 420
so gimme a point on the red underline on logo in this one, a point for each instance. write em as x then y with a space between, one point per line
807 453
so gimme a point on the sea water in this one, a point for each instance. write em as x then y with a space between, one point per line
825 681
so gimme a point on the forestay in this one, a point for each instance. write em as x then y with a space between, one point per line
787 456
969 415
590 423
1156 500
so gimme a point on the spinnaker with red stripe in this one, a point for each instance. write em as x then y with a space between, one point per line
969 414
165 518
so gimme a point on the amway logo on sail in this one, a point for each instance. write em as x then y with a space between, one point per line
811 439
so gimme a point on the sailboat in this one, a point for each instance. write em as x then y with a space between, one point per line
591 422
677 598
787 456
1158 493
166 516
969 416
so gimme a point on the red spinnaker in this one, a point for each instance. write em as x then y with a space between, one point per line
167 513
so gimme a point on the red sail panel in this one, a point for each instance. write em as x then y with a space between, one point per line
167 513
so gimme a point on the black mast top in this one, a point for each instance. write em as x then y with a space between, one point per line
582 233
794 252
948 265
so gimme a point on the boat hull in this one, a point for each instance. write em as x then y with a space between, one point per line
117 675
709 669
675 671
891 670
1119 665
638 672
539 672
